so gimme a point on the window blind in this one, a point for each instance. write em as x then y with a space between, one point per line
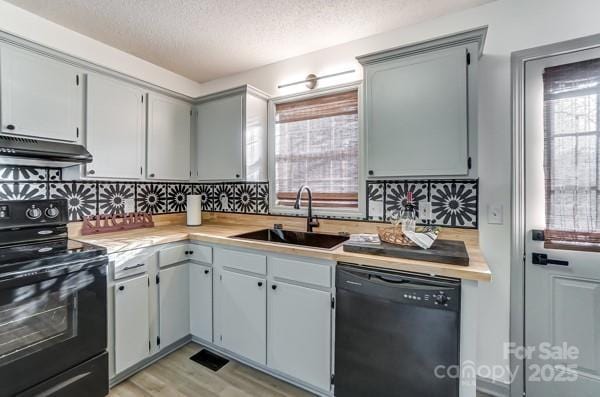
571 137
316 143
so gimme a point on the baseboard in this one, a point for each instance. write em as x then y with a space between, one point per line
492 387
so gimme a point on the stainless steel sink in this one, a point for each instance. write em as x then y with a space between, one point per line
306 239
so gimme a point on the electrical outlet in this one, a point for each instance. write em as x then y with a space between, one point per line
495 214
425 210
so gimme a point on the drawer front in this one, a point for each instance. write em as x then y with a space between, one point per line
184 252
245 261
177 253
200 253
130 263
300 271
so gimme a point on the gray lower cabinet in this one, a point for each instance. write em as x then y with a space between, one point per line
201 305
299 333
173 298
132 323
240 314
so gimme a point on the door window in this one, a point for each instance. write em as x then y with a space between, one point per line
571 136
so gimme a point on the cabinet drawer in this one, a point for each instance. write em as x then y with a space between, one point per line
184 252
242 261
130 263
304 272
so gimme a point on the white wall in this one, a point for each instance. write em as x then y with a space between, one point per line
513 25
29 26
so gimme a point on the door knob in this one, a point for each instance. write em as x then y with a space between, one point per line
10 127
151 175
91 172
260 283
274 287
121 288
206 271
542 259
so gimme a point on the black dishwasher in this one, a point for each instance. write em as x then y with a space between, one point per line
392 331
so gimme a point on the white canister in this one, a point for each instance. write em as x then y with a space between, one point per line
194 210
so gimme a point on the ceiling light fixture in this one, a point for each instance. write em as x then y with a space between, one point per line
312 79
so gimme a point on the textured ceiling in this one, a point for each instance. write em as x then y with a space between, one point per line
207 39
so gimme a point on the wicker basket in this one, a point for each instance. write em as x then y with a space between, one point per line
393 235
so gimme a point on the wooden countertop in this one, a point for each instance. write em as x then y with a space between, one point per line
219 233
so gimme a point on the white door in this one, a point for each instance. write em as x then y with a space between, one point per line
201 304
417 117
219 139
299 333
115 128
41 97
169 128
132 328
241 315
173 298
562 280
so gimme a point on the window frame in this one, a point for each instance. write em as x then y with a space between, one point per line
350 213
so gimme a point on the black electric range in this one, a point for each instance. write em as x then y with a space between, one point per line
52 305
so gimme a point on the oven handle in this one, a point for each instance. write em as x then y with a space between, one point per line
24 277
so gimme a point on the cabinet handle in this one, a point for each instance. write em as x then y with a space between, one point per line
10 127
206 271
133 267
187 252
191 252
260 283
274 286
91 172
371 172
151 176
121 288
237 175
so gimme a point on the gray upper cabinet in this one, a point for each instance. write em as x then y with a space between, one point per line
219 139
420 108
41 97
115 128
169 131
231 136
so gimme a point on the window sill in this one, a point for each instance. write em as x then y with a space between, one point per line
351 215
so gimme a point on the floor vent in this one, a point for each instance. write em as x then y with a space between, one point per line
209 360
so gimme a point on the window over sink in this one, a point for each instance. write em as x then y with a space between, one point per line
315 140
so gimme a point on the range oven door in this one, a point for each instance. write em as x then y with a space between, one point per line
51 320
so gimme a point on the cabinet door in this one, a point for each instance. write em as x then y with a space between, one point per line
168 138
201 324
299 333
41 97
132 326
174 312
241 315
219 139
417 119
115 128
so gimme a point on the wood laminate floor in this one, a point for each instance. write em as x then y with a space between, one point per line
176 375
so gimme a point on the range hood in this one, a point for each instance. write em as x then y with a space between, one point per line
29 151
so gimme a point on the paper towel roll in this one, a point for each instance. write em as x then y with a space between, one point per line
194 210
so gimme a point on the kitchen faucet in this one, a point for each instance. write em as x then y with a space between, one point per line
310 220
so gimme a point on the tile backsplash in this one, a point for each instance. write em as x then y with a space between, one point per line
454 202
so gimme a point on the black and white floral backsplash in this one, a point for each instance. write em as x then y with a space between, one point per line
454 202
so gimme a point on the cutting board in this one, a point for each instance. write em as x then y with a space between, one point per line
442 251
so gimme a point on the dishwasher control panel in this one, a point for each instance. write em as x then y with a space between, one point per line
441 297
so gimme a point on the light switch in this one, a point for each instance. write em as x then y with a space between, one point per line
495 214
